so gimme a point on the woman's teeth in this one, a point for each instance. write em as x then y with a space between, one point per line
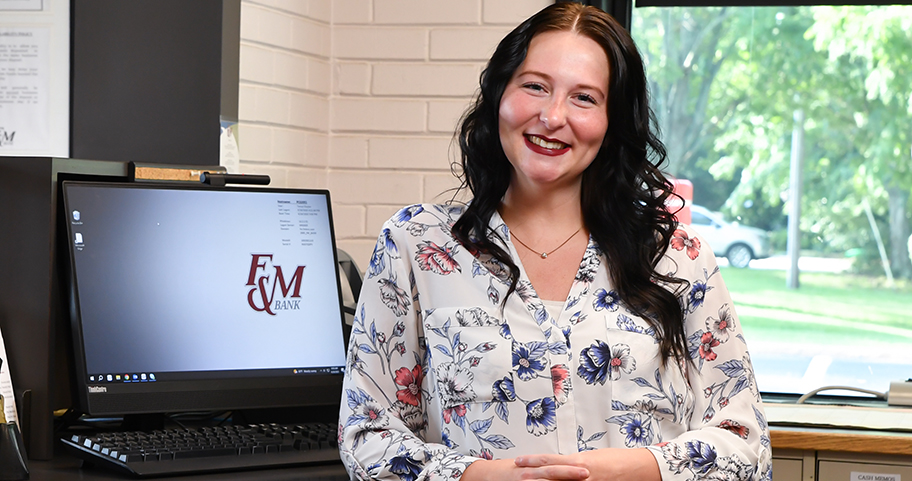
544 143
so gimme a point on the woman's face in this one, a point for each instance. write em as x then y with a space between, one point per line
554 111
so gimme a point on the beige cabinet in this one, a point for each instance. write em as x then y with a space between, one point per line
787 469
855 467
793 465
799 465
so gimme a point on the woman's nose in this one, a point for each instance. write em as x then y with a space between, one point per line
554 114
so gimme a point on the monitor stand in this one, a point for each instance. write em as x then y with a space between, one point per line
143 422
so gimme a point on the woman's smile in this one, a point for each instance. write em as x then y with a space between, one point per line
546 147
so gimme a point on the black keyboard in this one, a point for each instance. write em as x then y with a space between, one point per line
208 449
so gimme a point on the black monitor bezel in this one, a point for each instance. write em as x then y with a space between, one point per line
236 393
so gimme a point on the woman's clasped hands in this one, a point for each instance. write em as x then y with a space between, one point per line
610 464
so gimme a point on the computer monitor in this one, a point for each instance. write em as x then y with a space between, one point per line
193 298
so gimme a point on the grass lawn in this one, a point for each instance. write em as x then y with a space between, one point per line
827 308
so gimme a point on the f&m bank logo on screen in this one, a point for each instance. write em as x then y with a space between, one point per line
6 137
264 278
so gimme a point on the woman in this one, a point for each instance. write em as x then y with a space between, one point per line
560 326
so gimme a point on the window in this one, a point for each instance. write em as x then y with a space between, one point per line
736 90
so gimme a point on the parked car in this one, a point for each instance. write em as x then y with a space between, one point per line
738 243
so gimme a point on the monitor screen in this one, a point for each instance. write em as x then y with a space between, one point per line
187 298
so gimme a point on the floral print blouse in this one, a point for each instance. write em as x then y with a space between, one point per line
441 373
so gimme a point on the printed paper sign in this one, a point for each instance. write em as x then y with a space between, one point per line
24 91
6 386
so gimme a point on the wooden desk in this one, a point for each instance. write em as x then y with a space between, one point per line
808 454
799 454
863 442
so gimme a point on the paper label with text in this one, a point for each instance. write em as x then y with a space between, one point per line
856 476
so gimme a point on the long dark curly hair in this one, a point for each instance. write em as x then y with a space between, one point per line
623 190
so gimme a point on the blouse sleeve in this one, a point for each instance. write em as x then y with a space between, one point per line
383 417
728 436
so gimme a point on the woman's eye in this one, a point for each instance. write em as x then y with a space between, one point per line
534 86
586 98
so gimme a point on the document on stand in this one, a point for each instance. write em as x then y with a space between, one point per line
6 386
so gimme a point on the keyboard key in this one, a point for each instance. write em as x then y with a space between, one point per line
203 453
130 457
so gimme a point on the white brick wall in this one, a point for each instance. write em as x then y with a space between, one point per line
285 90
362 97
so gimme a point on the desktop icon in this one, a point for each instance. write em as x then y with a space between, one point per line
110 377
76 215
117 377
78 239
152 376
135 377
92 378
142 376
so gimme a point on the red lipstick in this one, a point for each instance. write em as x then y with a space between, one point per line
544 150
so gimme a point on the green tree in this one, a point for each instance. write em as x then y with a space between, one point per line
780 73
874 44
681 47
726 82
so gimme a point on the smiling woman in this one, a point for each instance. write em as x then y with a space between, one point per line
603 345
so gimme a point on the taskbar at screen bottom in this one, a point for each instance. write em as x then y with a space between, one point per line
208 395
152 377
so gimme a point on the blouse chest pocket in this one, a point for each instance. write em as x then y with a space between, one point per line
641 382
468 354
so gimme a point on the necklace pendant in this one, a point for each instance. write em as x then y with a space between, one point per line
544 255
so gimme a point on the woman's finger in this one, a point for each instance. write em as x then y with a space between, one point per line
531 461
557 472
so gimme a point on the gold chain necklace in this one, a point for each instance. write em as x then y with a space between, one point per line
544 255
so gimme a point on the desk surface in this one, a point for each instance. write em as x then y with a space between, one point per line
875 429
67 468
823 439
